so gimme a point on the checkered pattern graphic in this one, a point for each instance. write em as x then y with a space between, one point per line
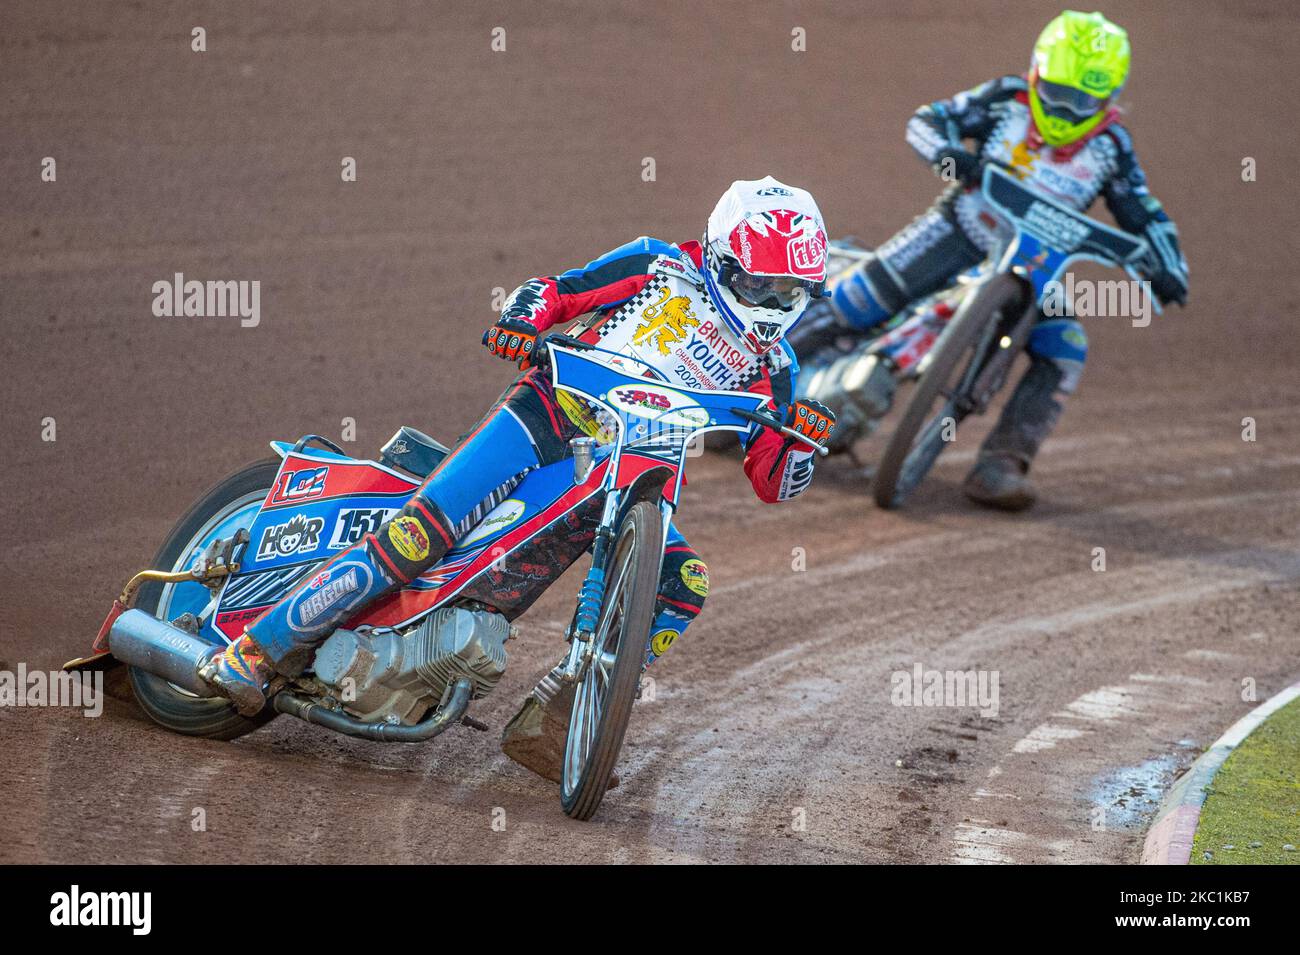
633 307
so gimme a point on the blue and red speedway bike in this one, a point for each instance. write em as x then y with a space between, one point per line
407 667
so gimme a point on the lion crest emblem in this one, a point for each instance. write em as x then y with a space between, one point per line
666 321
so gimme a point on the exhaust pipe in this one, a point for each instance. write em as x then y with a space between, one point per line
157 647
450 713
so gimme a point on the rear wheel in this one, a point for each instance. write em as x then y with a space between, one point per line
940 399
602 704
230 505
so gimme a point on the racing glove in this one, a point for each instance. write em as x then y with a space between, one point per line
783 471
811 418
1168 267
512 339
956 164
1169 287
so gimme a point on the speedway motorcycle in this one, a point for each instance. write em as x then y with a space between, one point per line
956 347
407 668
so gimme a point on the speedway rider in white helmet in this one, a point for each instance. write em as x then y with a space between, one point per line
709 315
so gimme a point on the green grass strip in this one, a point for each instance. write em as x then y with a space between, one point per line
1252 808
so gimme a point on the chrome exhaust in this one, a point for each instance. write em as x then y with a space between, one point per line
144 641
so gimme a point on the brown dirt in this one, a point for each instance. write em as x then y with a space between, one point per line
477 169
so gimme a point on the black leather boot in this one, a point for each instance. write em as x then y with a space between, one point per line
1000 478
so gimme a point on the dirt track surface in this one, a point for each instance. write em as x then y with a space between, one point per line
478 169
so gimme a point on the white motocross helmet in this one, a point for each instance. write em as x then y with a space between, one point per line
764 258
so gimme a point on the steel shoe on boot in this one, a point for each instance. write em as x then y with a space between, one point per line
240 672
1000 481
535 737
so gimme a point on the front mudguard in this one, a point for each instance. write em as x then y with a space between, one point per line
649 486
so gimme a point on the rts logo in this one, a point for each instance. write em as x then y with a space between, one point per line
644 399
299 485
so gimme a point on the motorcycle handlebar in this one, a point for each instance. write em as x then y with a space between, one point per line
541 356
775 425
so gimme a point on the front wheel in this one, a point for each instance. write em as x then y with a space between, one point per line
230 505
941 398
603 702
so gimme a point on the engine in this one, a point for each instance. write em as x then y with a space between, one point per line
386 675
859 388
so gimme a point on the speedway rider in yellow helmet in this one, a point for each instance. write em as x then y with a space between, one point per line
1058 129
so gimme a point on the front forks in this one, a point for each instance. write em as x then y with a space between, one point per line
582 646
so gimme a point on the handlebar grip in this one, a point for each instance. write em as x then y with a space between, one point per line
780 428
568 341
541 355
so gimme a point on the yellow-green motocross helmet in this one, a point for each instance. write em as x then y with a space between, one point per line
1080 62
